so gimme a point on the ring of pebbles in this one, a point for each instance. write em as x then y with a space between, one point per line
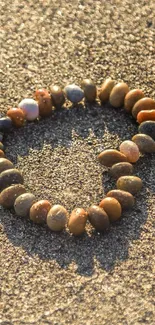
120 162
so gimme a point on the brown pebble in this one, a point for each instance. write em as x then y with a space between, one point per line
77 221
44 102
105 90
17 116
57 95
110 157
143 104
90 90
1 146
131 184
144 142
23 204
9 195
57 218
98 218
112 207
146 116
5 164
130 150
2 154
125 199
131 98
118 94
39 210
121 169
10 177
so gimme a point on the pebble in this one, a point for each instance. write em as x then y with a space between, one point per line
5 164
131 98
2 154
1 146
146 116
98 218
30 107
77 221
39 210
148 127
39 93
131 184
118 94
110 157
57 95
5 124
17 116
44 102
121 169
57 218
105 90
125 199
112 207
143 104
90 90
9 195
23 204
1 136
10 177
74 93
130 150
144 142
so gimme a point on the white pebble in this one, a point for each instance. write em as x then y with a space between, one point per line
30 108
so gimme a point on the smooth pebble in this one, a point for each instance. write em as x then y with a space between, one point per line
125 199
131 98
10 177
98 218
77 221
130 150
30 107
5 124
105 90
121 169
74 93
143 104
44 102
148 127
5 164
23 204
144 142
57 218
17 116
9 195
118 94
131 184
112 207
110 157
39 210
146 116
2 154
90 90
57 95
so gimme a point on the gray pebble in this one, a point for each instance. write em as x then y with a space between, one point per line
10 177
148 127
23 204
74 93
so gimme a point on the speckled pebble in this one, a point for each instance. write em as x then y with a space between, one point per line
144 142
74 93
23 204
112 207
9 195
57 95
44 102
121 169
5 124
118 94
57 218
10 177
131 98
130 150
98 218
30 108
110 157
105 90
125 198
77 221
5 164
90 90
131 184
143 104
148 127
146 116
39 210
17 116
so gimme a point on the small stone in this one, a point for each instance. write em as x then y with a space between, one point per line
1 146
131 184
9 195
57 218
57 95
2 154
118 94
1 136
130 150
147 127
5 164
121 169
74 93
144 142
90 90
42 92
110 157
77 221
5 124
105 90
10 177
131 98
112 207
44 102
17 116
146 116
125 199
143 104
98 218
39 210
23 204
30 108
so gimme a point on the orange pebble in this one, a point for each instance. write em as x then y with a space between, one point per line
39 211
41 93
112 207
44 102
2 155
17 116
146 116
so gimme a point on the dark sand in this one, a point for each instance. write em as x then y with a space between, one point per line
49 278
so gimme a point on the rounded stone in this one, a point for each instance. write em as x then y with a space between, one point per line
146 116
2 154
90 90
5 164
44 102
9 195
39 210
5 124
23 204
131 98
112 207
121 169
1 146
57 95
42 92
74 93
118 94
10 177
17 116
131 184
148 127
30 107
105 90
143 104
98 218
77 221
130 150
125 199
144 142
57 218
110 157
